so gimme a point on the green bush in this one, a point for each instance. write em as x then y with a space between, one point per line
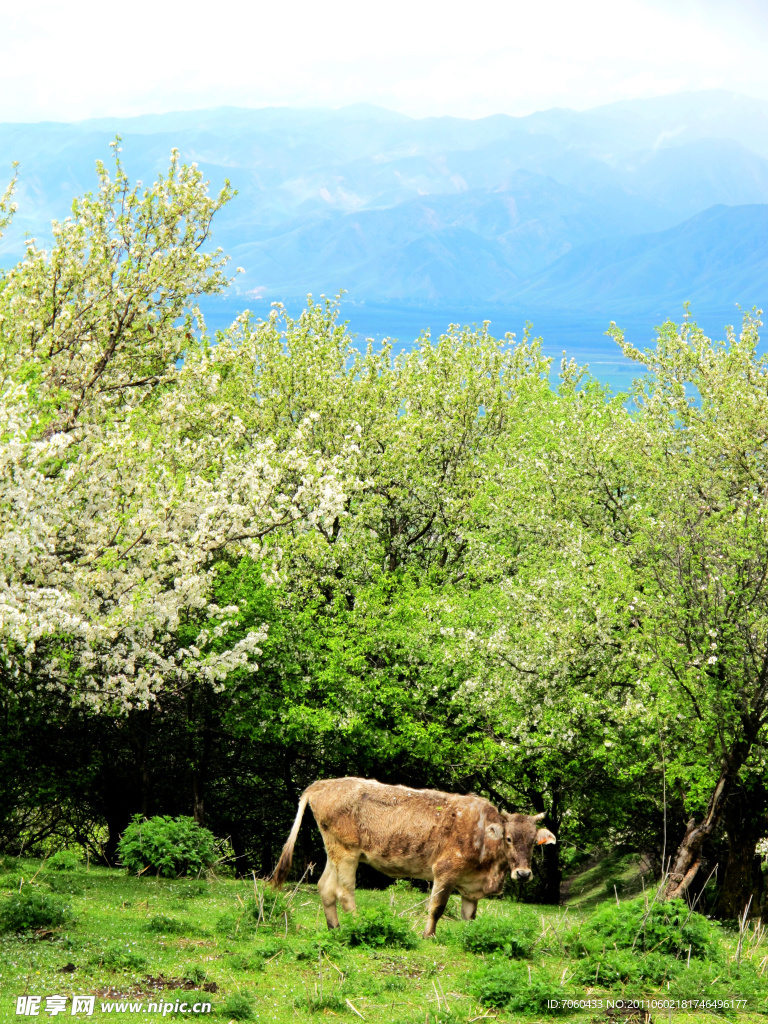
239 1006
270 907
165 925
513 987
242 963
117 957
644 926
236 926
500 934
196 975
30 910
12 880
622 967
321 1000
64 884
64 860
735 981
377 927
395 984
312 949
170 847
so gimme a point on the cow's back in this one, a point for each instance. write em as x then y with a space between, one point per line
399 830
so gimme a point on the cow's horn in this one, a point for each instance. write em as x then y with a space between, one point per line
539 817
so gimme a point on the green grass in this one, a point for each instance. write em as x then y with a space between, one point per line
274 962
604 877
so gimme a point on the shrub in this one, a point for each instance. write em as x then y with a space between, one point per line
271 948
614 885
313 949
31 909
404 885
395 985
165 925
196 975
614 967
239 1006
12 880
228 925
64 860
320 1000
377 927
270 907
120 958
643 926
500 934
513 986
168 846
239 962
64 884
742 981
189 890
236 926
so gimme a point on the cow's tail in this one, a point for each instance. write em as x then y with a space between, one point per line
280 873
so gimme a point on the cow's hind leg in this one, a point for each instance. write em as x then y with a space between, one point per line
328 887
441 893
468 909
346 873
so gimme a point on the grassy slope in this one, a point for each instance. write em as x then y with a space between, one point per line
113 952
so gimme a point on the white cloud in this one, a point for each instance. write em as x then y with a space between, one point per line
81 59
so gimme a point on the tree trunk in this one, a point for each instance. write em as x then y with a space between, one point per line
745 824
742 879
118 817
552 874
198 810
688 855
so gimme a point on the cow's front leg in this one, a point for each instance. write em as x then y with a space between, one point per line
468 909
441 893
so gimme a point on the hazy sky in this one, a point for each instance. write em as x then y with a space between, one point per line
81 58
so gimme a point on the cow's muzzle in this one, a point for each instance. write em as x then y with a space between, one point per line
521 874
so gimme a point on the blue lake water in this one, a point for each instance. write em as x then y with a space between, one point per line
582 337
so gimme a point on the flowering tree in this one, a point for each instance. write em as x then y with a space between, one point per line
449 572
700 545
114 506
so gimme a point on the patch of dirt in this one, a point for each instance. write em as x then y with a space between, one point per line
402 967
629 1015
152 985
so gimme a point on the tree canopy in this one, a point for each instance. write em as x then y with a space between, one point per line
231 565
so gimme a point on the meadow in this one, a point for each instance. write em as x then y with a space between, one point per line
230 566
154 944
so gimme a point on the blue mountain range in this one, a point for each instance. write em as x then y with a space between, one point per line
633 207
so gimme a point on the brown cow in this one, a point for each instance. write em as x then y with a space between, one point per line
459 842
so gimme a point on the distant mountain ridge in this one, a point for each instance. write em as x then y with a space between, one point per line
717 258
612 208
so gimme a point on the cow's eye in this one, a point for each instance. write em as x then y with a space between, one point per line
509 839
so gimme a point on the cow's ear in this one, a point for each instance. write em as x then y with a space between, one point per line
494 831
544 837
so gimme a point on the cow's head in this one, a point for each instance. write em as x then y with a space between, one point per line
521 834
